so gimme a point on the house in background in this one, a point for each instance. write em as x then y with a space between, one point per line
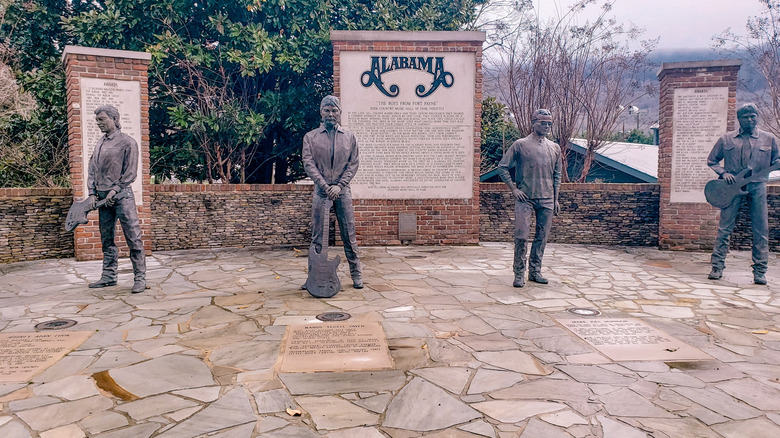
616 162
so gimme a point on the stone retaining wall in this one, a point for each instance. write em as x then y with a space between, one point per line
591 213
32 224
202 216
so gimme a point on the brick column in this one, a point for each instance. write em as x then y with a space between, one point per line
106 77
697 105
420 219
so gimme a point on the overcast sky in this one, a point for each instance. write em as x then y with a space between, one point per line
679 23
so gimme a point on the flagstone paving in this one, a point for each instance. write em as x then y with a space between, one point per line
197 353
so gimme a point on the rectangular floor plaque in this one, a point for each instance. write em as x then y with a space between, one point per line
338 346
22 355
631 339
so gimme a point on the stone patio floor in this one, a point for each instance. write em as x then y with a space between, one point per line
197 353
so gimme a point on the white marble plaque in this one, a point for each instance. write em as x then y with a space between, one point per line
631 339
413 116
126 97
339 346
699 119
22 355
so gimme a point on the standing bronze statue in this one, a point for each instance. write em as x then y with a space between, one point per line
537 180
745 152
330 158
112 168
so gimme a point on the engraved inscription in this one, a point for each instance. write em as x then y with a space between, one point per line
699 118
22 355
126 97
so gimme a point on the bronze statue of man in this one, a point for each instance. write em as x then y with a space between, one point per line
537 180
753 149
112 168
330 158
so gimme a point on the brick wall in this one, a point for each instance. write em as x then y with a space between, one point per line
122 65
440 221
208 216
688 226
603 214
32 224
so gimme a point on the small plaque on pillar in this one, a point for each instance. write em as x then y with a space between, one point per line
407 226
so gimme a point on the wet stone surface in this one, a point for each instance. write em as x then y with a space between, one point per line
198 352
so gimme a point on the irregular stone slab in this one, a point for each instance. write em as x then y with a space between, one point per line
755 428
453 379
250 355
512 411
271 423
232 409
480 427
675 379
564 419
273 401
753 393
103 421
595 374
14 429
210 316
207 394
140 431
563 345
377 403
544 389
615 429
709 371
538 429
682 427
292 432
490 380
164 374
69 388
340 383
513 360
153 406
405 330
243 431
719 402
116 359
489 342
60 414
627 403
357 432
421 406
329 413
442 351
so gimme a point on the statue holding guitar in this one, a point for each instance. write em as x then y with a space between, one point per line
748 155
330 158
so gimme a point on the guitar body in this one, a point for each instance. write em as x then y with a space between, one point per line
323 280
77 215
720 194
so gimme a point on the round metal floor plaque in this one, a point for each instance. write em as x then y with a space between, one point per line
581 311
56 324
333 316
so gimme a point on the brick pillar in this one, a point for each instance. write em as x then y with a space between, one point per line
413 92
697 105
97 77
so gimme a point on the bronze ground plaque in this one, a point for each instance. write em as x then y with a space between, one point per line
631 339
22 355
338 346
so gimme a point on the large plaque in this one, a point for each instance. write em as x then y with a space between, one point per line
699 119
22 355
631 339
343 346
126 97
413 116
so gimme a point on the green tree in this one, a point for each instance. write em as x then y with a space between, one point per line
498 133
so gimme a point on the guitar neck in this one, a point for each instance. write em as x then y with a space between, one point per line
326 224
756 176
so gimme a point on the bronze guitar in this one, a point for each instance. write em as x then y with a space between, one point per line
323 280
77 215
720 194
